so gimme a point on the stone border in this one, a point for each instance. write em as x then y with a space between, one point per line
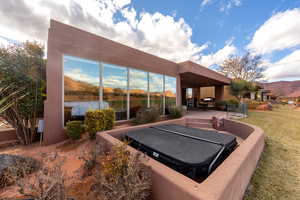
228 181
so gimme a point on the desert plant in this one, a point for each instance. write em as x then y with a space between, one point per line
48 184
75 129
9 96
122 176
23 66
146 115
90 158
19 168
175 112
109 118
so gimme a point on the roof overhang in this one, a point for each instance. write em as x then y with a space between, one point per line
194 75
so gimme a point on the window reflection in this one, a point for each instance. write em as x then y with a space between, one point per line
115 89
138 82
170 92
156 82
81 87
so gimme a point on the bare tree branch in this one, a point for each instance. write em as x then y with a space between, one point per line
246 68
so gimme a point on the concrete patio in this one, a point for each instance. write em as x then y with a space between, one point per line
206 114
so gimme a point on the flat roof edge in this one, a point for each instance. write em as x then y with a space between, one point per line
189 66
54 23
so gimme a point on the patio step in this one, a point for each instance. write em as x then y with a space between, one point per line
199 125
197 120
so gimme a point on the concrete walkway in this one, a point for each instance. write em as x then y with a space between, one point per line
206 114
211 113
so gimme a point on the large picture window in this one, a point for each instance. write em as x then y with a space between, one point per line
156 87
138 83
115 89
81 87
170 92
90 85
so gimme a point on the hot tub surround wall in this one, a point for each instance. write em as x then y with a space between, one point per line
228 181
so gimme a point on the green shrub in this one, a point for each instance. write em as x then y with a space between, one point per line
109 118
175 112
99 120
233 102
94 122
75 129
221 105
146 115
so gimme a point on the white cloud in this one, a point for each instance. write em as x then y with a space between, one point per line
289 66
79 75
226 6
279 32
121 3
205 2
218 57
3 42
155 33
115 81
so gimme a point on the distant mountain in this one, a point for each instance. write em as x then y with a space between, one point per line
284 88
74 85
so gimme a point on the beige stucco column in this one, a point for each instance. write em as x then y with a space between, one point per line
219 92
178 91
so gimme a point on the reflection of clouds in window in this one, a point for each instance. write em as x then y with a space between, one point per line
156 82
79 75
170 84
114 76
81 70
138 80
115 82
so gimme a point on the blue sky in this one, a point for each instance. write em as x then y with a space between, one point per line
210 24
204 31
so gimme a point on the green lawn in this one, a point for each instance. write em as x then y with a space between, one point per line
278 173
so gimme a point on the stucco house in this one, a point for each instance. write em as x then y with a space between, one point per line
86 71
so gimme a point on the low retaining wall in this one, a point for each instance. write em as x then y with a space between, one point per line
228 181
7 134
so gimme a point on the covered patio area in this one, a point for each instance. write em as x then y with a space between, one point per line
200 87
